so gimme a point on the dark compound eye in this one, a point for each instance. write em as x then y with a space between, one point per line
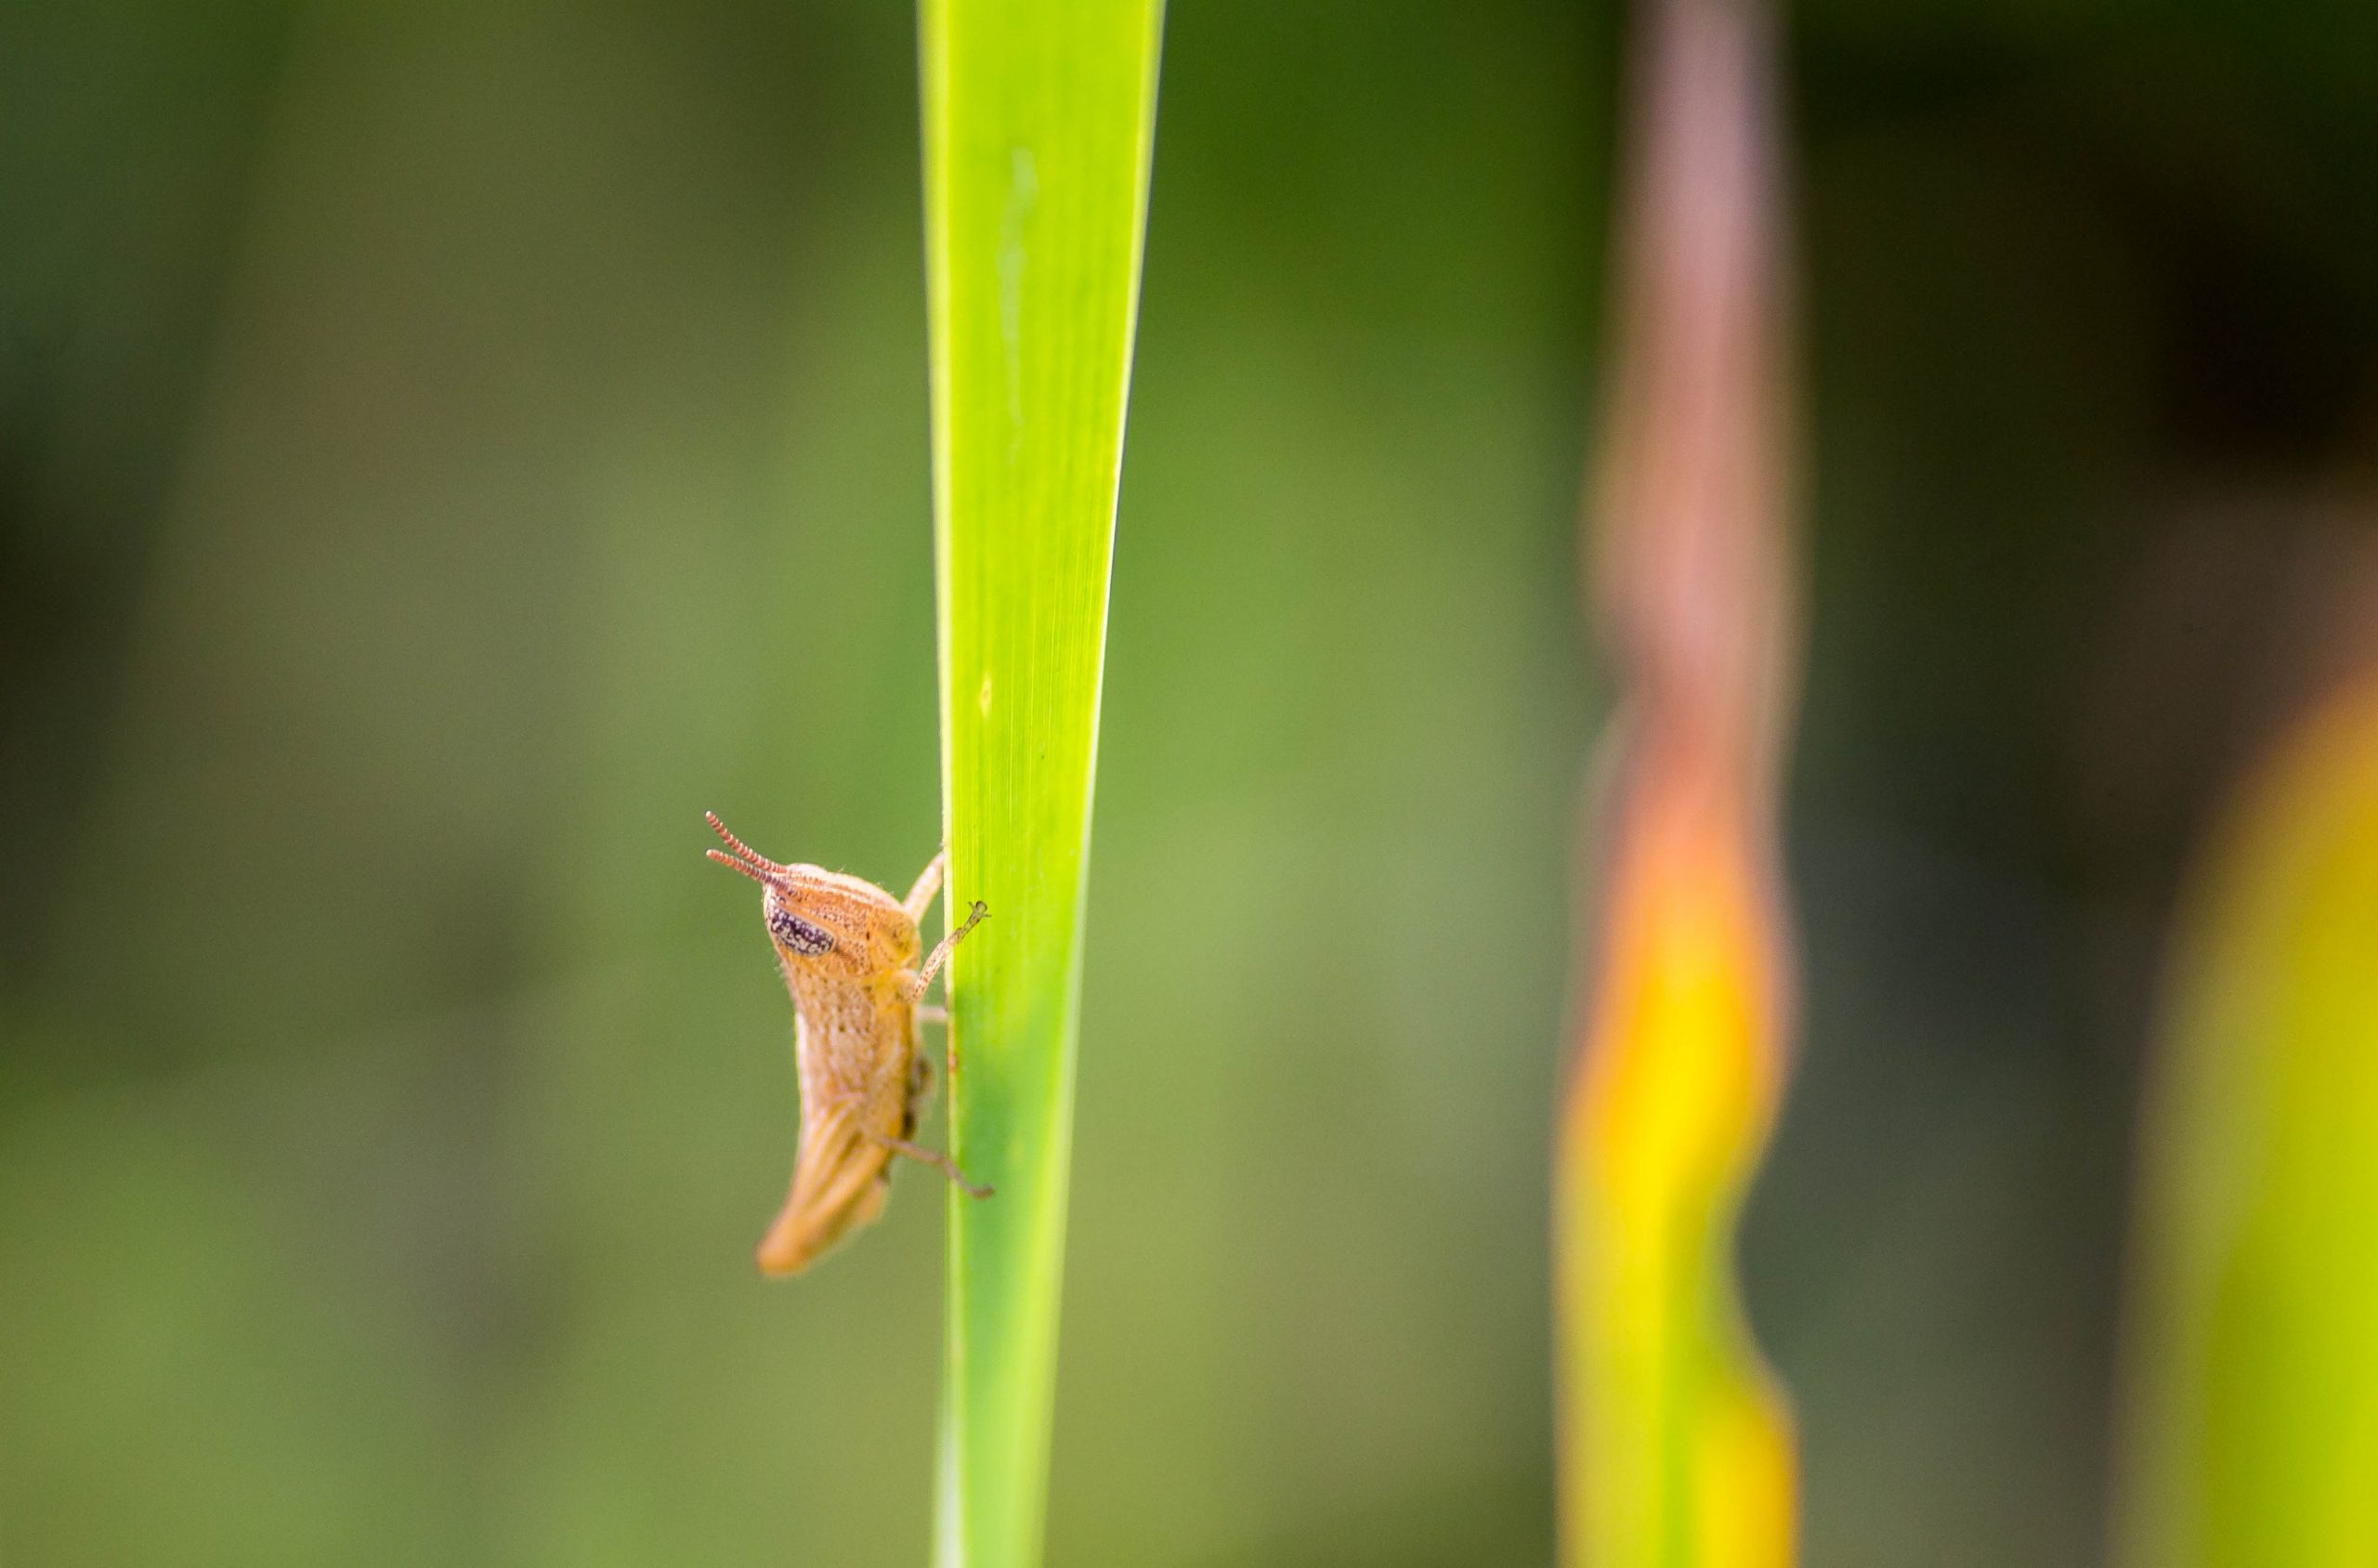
797 934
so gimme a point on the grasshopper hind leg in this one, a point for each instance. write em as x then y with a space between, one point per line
920 1087
936 1158
921 1064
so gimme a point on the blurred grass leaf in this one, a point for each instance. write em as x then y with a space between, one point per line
1038 124
2253 1390
1676 1448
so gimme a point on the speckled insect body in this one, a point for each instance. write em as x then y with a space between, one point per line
849 953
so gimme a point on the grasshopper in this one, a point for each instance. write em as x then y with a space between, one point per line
848 950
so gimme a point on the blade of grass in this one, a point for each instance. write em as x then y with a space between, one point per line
1676 1448
1039 124
2251 1409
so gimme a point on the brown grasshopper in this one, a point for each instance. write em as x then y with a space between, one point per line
849 954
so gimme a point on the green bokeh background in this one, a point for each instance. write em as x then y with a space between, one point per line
443 449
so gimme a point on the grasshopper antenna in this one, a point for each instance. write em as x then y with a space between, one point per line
746 859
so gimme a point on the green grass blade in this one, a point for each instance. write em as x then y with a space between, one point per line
2251 1411
1039 122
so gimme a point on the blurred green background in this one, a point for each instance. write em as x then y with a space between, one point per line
443 449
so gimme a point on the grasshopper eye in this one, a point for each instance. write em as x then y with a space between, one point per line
797 935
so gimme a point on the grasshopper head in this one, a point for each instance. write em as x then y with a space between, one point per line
784 894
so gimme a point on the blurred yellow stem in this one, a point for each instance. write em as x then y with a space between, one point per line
1676 1447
